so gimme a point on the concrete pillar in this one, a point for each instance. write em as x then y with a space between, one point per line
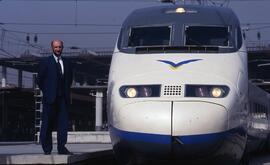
99 99
74 76
4 76
4 114
20 74
34 82
3 38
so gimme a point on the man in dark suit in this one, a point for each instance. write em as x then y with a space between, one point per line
54 79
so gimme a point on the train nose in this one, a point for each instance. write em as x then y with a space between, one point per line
197 118
159 125
150 117
197 126
184 120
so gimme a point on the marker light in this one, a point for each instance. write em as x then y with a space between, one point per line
215 91
146 91
201 91
134 91
180 10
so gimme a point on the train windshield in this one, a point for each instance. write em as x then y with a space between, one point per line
149 36
178 38
207 36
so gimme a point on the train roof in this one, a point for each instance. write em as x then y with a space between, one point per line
186 14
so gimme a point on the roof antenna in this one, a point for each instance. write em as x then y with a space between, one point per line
168 1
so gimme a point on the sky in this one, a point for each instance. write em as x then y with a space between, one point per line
95 24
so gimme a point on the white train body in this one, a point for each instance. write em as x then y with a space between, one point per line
179 97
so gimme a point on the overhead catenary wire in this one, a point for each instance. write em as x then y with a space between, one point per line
128 0
64 33
220 2
91 24
56 24
14 40
252 26
6 53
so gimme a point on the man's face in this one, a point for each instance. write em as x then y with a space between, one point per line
57 48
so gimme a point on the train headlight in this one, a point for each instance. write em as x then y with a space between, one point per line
134 91
215 91
131 92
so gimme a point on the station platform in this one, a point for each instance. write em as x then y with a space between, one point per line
31 153
260 159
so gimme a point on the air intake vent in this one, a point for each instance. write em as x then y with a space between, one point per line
172 90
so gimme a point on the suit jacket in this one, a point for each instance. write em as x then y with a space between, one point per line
47 79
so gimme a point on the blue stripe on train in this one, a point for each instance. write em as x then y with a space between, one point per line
142 137
193 139
167 139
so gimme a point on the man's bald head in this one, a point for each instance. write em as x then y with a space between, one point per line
57 47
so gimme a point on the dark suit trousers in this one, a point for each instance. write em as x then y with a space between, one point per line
54 114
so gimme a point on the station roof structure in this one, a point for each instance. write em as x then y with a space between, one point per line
88 66
259 68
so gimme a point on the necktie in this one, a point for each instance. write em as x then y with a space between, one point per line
60 83
59 66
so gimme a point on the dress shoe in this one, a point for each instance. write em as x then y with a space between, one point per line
64 151
47 153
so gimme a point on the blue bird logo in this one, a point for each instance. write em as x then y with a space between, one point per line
175 66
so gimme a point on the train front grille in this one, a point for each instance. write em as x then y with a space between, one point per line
172 90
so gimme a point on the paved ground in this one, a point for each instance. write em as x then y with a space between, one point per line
84 153
260 159
31 153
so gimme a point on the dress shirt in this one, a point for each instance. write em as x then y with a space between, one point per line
61 62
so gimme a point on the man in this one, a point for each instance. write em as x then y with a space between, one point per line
54 79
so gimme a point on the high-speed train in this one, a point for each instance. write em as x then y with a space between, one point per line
178 88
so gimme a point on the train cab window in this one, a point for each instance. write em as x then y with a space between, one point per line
207 36
149 36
